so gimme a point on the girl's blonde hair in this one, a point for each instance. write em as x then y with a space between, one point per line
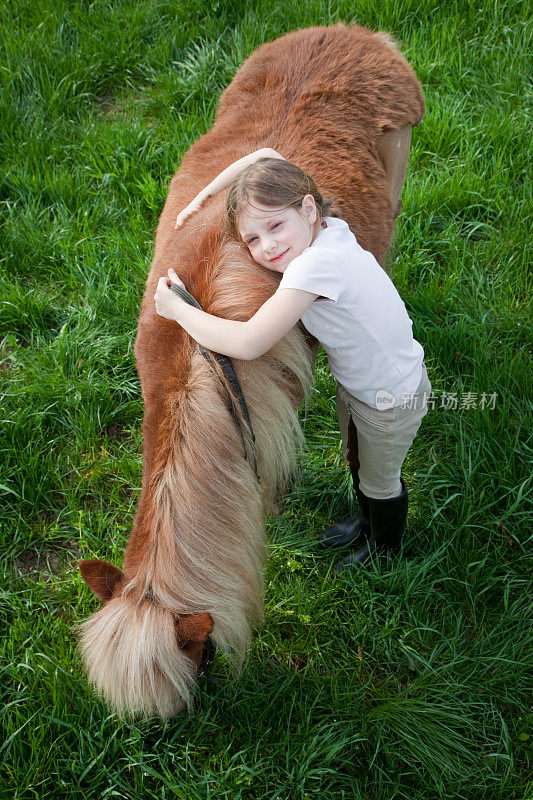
271 182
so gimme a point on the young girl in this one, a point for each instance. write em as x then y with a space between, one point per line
347 301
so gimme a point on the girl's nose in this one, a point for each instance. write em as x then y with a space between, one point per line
268 244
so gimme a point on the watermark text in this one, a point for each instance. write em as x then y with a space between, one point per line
451 401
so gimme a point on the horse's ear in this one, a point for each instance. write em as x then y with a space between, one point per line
195 627
100 576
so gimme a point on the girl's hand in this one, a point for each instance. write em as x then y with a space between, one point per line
193 206
166 302
223 180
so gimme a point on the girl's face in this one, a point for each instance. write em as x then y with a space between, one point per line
274 236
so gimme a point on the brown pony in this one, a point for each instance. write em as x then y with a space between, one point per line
339 102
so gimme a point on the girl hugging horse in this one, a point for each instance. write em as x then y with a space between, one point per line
340 102
345 300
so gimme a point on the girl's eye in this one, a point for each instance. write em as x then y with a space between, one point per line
276 225
252 240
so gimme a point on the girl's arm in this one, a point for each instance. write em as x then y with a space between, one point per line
224 179
244 340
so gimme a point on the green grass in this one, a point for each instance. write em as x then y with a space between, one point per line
406 680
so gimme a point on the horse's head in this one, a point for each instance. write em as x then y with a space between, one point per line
142 657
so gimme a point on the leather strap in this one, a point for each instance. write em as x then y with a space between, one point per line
236 392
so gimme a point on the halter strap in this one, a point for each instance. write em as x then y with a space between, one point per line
231 378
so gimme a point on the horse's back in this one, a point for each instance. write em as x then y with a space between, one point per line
322 97
366 69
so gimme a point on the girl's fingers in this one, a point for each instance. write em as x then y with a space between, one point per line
164 283
173 278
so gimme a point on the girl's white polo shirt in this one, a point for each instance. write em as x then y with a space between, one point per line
359 318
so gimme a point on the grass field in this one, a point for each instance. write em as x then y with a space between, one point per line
406 680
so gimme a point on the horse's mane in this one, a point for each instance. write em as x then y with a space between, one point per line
205 546
198 543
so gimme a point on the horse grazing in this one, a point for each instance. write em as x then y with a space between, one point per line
340 102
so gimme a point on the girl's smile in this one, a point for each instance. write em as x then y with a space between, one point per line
274 236
277 258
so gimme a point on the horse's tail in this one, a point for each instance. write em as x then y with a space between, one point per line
133 658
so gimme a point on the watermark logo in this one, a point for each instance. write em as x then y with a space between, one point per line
384 399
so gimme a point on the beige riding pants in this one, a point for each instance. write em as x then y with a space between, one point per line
383 437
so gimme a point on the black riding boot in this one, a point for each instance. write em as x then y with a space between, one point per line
387 523
350 530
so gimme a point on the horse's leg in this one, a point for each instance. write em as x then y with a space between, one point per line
353 448
393 149
348 531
